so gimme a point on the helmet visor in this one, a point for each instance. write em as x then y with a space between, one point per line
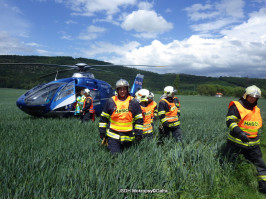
254 95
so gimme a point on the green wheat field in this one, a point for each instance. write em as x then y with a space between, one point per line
62 158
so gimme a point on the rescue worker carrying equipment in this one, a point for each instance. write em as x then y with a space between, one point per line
87 110
168 113
147 112
244 121
121 120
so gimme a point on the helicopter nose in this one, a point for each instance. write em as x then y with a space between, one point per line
31 110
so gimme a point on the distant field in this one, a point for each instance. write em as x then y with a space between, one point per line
61 158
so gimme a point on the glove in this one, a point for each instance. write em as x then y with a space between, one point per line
102 135
243 136
161 129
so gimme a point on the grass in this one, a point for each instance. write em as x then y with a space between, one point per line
61 158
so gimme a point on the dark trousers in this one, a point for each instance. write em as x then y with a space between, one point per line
86 117
116 146
253 154
176 133
148 135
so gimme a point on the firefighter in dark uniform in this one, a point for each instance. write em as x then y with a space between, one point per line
121 120
87 109
168 113
244 120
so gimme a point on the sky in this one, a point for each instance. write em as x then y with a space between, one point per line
199 37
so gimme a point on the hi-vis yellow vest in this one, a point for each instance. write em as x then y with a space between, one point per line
250 121
121 119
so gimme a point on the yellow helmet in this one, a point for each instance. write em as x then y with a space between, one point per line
252 91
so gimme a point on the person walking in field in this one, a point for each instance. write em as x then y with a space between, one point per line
87 109
147 112
244 121
121 120
168 113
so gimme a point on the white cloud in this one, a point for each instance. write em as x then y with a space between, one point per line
198 12
252 30
33 44
11 45
231 8
143 5
215 16
101 48
90 7
71 22
240 52
48 53
66 37
145 21
91 33
212 26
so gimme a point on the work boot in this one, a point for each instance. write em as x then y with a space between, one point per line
262 186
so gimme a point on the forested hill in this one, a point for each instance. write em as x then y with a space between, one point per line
28 76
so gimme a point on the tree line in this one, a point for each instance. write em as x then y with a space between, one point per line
28 76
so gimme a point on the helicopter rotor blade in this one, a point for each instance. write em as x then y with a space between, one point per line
81 67
100 70
41 64
113 65
58 71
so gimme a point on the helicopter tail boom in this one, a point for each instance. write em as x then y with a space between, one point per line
137 85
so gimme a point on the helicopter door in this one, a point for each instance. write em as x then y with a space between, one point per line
65 97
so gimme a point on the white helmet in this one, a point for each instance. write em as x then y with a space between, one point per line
252 91
136 94
168 91
151 96
87 91
121 83
142 95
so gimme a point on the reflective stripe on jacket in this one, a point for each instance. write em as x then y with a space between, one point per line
121 119
250 121
128 136
246 144
171 115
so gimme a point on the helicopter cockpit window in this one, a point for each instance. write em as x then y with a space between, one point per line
43 95
34 89
67 90
94 94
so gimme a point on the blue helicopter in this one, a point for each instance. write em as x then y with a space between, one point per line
57 98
